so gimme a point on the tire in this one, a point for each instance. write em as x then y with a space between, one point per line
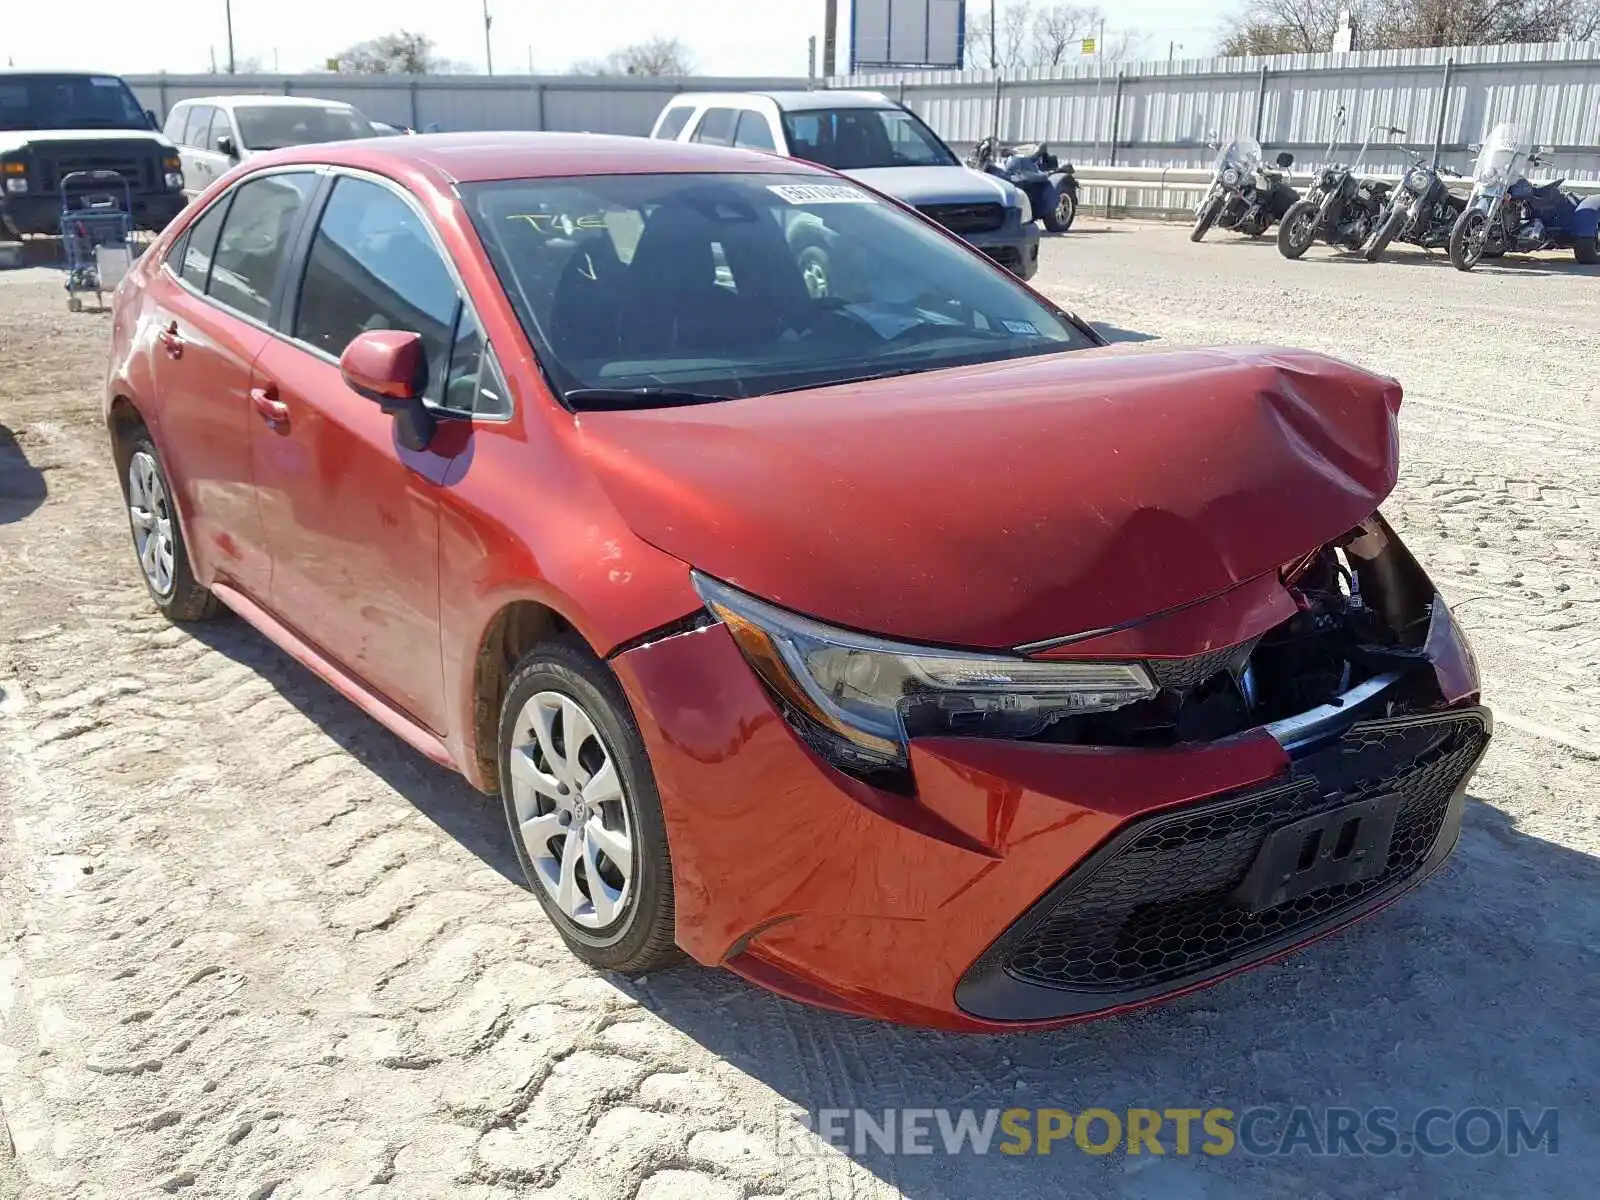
1386 233
1298 229
626 924
1467 240
1585 250
1207 218
1060 219
158 543
816 270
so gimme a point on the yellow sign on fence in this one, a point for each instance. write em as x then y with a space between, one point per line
1088 45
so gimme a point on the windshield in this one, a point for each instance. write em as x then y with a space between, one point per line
1243 153
743 285
1503 152
68 102
853 139
272 127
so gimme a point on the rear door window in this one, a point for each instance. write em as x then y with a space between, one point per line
256 239
716 127
672 124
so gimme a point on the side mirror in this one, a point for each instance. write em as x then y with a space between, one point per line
225 145
1285 159
150 115
388 366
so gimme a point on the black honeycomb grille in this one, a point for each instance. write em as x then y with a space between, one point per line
1157 904
1183 674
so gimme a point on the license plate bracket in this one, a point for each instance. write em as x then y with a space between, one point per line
1344 845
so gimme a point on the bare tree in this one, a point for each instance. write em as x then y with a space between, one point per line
1047 35
1308 26
656 56
401 53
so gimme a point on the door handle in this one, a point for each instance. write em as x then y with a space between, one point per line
171 340
275 411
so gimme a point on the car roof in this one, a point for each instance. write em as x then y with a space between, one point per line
487 156
13 72
789 101
264 101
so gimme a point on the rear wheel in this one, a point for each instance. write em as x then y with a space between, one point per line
1387 232
1586 251
1298 230
158 539
1060 218
1467 239
581 804
815 271
1207 218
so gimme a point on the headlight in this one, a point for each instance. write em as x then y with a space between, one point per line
1491 175
16 177
1417 180
857 699
174 180
1024 206
16 184
1330 180
1230 176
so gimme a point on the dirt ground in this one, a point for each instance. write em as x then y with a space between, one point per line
252 946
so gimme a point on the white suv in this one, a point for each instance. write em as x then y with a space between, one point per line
870 138
215 133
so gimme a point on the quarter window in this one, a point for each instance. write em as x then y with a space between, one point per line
716 127
199 245
255 241
373 265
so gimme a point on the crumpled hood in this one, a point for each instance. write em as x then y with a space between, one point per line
1011 503
936 185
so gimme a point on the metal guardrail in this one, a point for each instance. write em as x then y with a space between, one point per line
1190 179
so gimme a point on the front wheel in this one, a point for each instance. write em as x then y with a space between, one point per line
1585 250
1298 230
582 807
1468 239
1059 219
1207 218
1387 232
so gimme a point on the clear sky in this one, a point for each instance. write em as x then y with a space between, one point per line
727 37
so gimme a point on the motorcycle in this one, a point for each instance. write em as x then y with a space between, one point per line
1423 210
1051 189
1343 209
1507 213
1245 196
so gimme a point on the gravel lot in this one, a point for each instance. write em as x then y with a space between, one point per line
252 946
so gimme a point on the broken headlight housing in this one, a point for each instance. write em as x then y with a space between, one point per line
857 699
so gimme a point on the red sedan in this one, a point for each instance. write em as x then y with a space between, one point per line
889 641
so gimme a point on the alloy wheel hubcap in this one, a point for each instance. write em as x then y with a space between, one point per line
571 817
151 516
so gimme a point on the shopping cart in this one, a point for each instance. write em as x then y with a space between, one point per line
96 229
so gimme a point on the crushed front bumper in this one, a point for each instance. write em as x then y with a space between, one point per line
1016 247
1024 883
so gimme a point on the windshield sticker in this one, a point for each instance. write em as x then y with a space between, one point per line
819 193
1023 328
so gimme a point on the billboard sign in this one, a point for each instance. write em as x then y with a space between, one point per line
907 33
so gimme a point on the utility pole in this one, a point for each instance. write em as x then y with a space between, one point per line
811 58
994 48
227 8
488 46
830 38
